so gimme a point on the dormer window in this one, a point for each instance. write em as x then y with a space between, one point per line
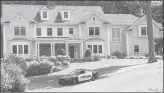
65 14
44 15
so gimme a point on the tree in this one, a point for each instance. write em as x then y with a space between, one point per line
152 57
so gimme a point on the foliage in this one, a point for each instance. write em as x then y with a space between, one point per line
96 58
65 63
56 69
119 55
132 57
63 58
52 59
39 68
159 45
146 54
12 77
58 63
88 53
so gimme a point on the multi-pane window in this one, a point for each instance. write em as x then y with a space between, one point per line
90 47
44 14
20 49
144 31
60 31
49 31
14 49
116 34
19 30
70 30
25 49
95 48
38 31
136 48
65 14
94 31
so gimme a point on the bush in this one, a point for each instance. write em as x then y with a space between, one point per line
65 63
132 57
141 57
119 55
62 58
88 53
54 60
96 58
12 79
146 54
39 68
113 57
55 69
58 63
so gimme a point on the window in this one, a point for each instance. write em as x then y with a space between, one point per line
90 47
70 30
60 31
14 49
25 49
49 31
94 19
143 31
19 18
65 14
136 48
100 48
91 30
38 31
116 34
20 49
94 31
44 14
19 30
94 48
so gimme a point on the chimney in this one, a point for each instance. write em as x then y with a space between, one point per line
51 4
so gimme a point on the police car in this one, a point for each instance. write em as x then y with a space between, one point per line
77 76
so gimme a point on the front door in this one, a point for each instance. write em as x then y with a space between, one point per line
71 51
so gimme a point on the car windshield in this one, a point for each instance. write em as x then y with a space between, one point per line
74 72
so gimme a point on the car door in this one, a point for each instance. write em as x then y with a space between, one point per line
88 75
81 75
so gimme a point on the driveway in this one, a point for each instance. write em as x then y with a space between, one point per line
105 66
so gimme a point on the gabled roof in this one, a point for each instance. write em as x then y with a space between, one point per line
124 19
140 19
98 15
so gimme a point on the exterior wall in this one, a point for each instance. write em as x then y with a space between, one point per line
54 30
135 39
9 31
118 46
103 32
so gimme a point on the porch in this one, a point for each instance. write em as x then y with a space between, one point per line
72 49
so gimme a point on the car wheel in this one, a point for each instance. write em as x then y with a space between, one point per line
75 81
93 78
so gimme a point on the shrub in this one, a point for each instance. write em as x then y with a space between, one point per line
146 54
96 58
141 57
39 68
55 69
127 57
132 57
113 57
62 58
58 63
12 79
65 63
119 55
54 60
88 53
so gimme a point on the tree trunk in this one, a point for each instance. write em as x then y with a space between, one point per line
152 57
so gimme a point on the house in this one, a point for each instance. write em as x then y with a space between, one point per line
41 30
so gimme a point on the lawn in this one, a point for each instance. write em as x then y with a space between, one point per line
104 67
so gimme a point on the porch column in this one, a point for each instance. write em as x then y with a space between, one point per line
81 52
79 31
127 44
36 53
4 39
66 48
108 32
38 49
51 49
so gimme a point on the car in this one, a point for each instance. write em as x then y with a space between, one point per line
78 76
